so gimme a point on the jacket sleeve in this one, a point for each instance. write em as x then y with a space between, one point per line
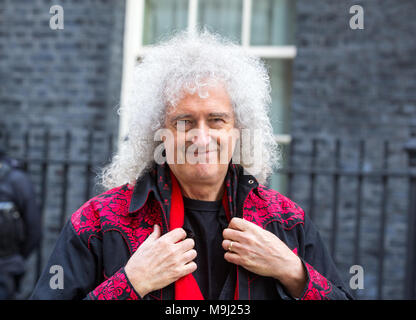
74 272
323 280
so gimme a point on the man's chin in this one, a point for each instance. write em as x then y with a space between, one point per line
204 171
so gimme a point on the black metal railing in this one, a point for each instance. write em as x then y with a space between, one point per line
384 174
44 158
19 147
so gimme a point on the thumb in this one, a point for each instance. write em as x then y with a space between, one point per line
156 232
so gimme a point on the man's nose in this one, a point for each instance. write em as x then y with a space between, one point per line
202 136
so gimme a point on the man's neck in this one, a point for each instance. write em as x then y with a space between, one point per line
204 192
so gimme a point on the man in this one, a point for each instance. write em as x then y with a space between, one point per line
20 224
183 218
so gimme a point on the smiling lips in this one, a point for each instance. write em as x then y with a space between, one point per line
207 153
204 152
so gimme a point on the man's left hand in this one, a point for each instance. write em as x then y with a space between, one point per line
263 253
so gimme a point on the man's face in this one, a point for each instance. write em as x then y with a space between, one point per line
204 136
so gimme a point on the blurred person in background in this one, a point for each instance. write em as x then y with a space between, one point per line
20 224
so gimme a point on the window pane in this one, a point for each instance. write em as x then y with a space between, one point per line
273 22
280 71
162 17
222 16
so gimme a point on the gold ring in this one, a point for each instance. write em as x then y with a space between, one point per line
230 247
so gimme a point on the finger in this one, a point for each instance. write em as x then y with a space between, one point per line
189 268
175 235
234 235
156 232
189 255
232 257
226 244
239 224
185 245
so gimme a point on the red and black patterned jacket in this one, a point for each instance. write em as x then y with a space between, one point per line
100 237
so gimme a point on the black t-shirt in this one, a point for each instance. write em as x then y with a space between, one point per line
205 221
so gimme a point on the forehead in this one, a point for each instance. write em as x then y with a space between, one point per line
207 101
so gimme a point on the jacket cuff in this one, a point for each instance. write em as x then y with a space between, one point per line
283 294
117 287
317 286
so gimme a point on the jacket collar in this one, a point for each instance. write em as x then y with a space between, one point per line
157 181
142 189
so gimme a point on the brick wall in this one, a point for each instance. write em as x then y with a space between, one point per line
66 78
352 85
61 80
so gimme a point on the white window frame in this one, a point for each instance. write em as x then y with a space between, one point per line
134 48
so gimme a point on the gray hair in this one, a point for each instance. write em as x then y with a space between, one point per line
191 61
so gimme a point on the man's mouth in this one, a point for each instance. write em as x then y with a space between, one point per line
196 153
199 153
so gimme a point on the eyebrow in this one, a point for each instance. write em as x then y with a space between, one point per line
226 115
180 117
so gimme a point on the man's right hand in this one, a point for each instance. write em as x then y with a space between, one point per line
161 260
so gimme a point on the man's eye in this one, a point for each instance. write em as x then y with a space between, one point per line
184 122
218 120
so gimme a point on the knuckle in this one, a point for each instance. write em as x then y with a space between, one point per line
232 222
177 272
177 261
181 232
163 242
191 242
193 266
189 255
249 263
251 242
170 250
225 245
249 239
235 221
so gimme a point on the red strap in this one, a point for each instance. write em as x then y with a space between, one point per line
236 296
225 205
186 288
177 209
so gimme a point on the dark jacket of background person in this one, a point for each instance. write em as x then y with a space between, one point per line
20 224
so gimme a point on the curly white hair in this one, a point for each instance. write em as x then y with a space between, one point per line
188 62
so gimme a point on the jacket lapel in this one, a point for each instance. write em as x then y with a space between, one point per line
157 183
